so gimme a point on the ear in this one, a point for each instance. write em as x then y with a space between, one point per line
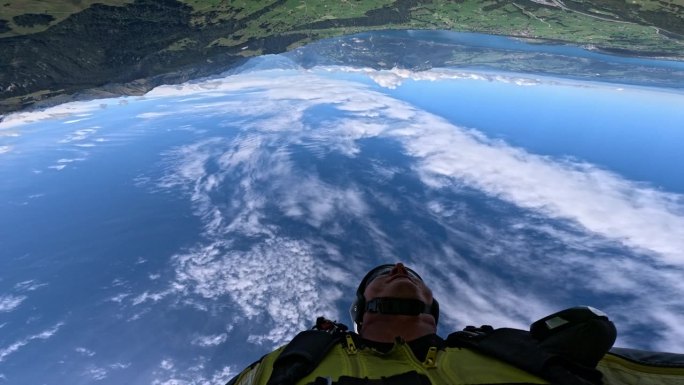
435 310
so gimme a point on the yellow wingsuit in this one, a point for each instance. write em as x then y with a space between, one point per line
462 366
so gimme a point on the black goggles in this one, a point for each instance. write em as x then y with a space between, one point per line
386 270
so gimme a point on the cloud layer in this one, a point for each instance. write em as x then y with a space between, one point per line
10 302
44 335
301 184
625 237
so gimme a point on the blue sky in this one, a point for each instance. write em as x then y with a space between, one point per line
599 200
227 153
632 131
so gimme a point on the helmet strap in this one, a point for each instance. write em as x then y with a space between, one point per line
398 306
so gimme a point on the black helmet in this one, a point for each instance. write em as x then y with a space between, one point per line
388 305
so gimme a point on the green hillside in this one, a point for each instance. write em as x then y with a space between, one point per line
51 50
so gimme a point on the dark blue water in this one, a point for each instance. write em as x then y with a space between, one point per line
422 50
512 44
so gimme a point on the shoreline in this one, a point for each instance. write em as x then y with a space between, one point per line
210 67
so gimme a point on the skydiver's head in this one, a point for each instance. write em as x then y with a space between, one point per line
394 294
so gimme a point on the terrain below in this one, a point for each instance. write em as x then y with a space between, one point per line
68 50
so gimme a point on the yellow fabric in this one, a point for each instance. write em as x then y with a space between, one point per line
452 366
619 371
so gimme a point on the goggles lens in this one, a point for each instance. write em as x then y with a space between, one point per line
386 270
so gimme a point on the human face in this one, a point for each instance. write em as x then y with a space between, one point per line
397 282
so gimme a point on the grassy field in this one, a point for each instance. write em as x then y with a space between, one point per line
594 26
612 24
58 9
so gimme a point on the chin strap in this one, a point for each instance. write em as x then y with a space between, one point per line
400 306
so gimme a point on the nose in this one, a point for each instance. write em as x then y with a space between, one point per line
399 268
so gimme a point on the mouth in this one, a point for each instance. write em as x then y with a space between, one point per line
399 276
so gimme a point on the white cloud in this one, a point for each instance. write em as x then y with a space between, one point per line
85 351
95 373
119 297
5 149
194 374
10 302
277 278
148 296
166 364
190 377
9 133
603 202
210 340
481 297
394 77
30 285
637 215
80 135
73 121
152 115
317 203
252 277
62 111
671 341
99 373
44 335
64 162
602 206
